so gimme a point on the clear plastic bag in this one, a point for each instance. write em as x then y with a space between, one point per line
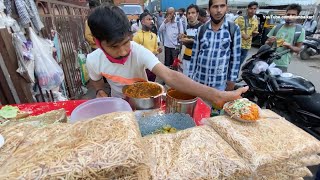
273 70
259 67
23 49
2 7
268 141
47 70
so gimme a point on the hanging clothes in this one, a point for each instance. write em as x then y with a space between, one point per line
27 12
34 15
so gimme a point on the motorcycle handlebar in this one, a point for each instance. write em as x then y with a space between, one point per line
278 55
273 81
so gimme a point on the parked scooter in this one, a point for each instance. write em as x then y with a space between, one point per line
311 47
289 95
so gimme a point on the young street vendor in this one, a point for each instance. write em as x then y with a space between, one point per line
122 61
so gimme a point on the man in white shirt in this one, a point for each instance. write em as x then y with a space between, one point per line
171 29
160 19
181 17
310 25
135 26
122 61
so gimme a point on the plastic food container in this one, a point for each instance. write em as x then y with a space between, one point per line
98 106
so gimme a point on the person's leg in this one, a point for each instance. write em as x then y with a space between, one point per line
174 55
167 56
243 56
172 50
185 67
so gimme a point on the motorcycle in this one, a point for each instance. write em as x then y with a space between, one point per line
311 47
292 97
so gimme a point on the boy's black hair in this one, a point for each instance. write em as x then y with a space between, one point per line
193 6
294 7
109 23
202 12
253 3
210 2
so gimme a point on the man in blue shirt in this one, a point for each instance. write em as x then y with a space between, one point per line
215 59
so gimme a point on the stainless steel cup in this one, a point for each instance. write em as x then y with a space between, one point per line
177 102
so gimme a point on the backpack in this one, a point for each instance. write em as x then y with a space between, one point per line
297 32
311 22
231 28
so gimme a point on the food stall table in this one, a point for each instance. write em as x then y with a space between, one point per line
201 109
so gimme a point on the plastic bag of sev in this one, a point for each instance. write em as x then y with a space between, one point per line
266 142
108 146
195 153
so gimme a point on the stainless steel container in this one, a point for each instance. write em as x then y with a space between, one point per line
153 102
180 102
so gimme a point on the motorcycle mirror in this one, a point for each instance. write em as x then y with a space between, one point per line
264 52
264 48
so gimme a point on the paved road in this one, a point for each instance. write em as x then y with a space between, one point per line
309 69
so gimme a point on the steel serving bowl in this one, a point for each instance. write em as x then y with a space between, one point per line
152 102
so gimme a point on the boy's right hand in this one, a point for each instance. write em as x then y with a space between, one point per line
226 96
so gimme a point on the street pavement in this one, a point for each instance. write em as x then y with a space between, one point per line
309 69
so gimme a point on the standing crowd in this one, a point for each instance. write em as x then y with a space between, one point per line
215 46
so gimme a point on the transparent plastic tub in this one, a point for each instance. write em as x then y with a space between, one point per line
98 106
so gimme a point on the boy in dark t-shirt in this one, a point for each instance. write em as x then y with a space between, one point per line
188 39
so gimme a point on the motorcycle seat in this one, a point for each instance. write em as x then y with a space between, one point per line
310 103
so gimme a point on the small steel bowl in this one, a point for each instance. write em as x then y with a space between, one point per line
153 102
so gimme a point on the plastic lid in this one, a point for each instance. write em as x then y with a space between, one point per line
98 106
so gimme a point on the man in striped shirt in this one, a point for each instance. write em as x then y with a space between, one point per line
215 60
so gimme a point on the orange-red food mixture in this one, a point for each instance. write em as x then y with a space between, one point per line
243 109
143 90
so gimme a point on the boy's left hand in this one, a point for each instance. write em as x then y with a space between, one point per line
286 45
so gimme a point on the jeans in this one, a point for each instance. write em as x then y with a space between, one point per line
169 55
244 54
